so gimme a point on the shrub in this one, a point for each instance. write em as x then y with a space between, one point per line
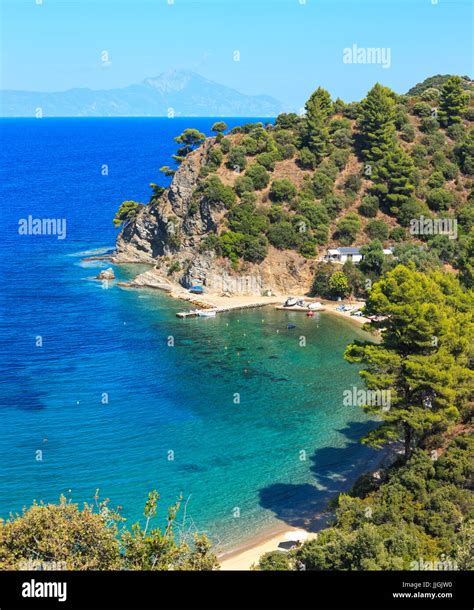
440 199
369 206
353 183
340 158
377 229
450 171
322 185
217 193
283 235
342 138
236 159
259 176
225 145
274 561
282 190
250 145
246 218
339 284
456 131
429 125
347 229
268 160
316 213
422 109
436 180
407 132
398 234
333 205
243 184
215 157
306 159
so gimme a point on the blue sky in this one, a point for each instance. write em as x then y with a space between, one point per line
287 47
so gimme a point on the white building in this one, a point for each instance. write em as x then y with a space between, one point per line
341 255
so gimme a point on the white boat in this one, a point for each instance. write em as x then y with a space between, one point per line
315 306
206 313
290 302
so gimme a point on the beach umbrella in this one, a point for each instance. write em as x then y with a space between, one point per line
296 535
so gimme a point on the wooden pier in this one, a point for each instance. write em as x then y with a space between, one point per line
194 313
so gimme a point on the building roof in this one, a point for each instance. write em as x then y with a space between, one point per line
349 250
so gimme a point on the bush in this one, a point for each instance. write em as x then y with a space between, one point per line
347 229
456 131
333 205
283 235
342 138
268 160
429 125
440 199
422 109
250 145
450 171
282 190
353 183
398 234
369 206
274 561
340 158
215 157
407 132
247 219
243 184
306 159
377 229
339 284
322 185
217 193
316 213
436 180
225 145
259 176
236 159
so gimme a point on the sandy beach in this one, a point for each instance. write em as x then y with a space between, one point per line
244 559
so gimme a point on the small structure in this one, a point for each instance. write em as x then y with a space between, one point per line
342 255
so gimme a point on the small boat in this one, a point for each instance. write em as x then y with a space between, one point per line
315 306
196 290
291 326
310 314
290 302
206 313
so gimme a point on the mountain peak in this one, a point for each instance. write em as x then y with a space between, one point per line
172 80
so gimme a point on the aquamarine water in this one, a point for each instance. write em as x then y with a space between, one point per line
231 412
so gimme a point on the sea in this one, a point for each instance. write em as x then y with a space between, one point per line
104 388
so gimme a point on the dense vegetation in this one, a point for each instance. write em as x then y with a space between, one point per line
48 535
347 174
421 509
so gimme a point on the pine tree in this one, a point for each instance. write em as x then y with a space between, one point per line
377 123
453 102
423 360
393 179
318 110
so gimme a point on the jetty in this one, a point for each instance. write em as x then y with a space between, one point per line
298 308
194 313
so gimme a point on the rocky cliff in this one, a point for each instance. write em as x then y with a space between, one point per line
168 232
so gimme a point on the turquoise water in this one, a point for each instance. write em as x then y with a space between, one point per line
107 398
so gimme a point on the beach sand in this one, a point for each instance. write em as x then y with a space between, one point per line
243 559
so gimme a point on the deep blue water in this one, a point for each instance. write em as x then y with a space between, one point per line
112 345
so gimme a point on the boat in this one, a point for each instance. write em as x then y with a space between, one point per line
310 314
196 290
315 306
206 313
291 326
290 302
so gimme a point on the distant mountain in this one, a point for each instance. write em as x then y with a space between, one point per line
183 92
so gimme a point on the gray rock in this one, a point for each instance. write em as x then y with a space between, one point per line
106 274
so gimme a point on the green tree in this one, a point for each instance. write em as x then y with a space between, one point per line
453 102
423 360
394 180
189 140
347 229
219 127
318 110
376 124
373 259
282 190
339 284
258 175
127 211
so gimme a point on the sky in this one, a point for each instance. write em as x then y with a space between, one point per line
285 48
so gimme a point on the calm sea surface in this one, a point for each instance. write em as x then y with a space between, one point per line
105 399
